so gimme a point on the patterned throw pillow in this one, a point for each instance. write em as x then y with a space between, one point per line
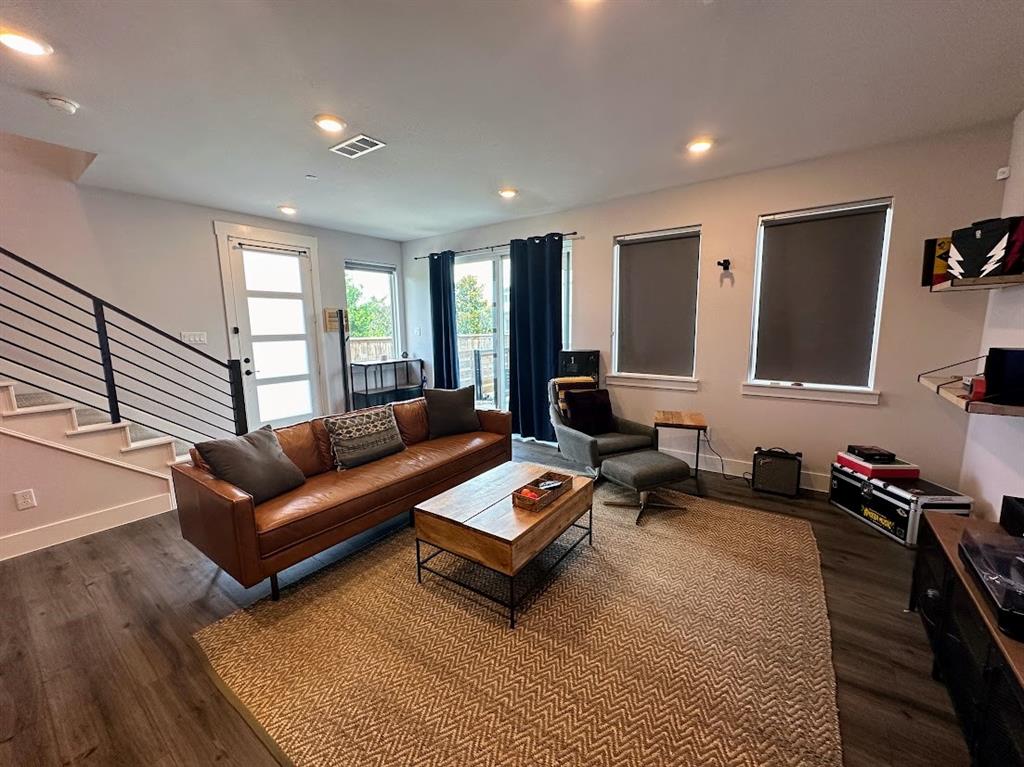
363 436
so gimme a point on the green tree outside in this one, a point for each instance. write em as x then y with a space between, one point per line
472 307
367 317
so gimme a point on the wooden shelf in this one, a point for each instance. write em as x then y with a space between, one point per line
979 283
948 387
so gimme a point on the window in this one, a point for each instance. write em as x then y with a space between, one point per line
656 303
819 290
482 292
371 292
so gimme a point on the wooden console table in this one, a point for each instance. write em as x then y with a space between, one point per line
982 667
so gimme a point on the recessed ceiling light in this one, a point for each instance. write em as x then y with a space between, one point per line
700 145
288 210
508 192
329 123
26 45
312 177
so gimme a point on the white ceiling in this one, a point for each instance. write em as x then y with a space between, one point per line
572 102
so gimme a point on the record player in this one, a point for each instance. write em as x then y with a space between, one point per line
996 560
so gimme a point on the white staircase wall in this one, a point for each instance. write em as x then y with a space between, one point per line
77 493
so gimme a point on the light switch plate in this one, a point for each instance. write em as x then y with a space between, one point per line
25 499
194 337
1003 173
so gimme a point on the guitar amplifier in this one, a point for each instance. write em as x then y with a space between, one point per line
579 362
776 471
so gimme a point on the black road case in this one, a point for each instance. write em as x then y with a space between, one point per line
893 507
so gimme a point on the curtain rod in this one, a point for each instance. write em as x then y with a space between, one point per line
565 236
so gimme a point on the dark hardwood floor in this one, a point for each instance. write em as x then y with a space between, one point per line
98 667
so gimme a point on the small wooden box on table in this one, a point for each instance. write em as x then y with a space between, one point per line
478 521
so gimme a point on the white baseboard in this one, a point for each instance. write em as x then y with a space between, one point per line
25 541
734 467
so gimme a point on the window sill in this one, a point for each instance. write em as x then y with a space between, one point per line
818 393
641 381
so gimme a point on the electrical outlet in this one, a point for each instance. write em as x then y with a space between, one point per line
194 337
25 499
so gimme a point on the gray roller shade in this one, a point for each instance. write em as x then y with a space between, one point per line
818 297
657 289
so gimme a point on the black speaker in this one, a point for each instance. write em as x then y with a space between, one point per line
776 471
1011 517
579 362
1004 376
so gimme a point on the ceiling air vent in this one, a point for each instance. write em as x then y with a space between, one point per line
357 146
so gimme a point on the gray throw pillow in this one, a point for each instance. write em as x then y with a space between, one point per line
363 436
254 463
451 411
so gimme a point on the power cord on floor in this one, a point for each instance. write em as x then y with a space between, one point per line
745 477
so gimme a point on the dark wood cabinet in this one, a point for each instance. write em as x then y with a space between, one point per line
982 668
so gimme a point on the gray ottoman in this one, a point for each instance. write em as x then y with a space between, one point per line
645 472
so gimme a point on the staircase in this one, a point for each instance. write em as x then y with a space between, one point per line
107 398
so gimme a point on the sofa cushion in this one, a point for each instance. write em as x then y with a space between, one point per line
590 411
299 444
331 499
411 417
451 411
617 442
363 436
253 462
323 441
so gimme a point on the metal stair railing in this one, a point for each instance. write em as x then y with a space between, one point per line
62 339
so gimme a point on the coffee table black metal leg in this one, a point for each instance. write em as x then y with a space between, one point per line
511 601
590 528
419 574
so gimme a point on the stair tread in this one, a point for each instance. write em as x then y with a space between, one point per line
52 408
95 427
143 444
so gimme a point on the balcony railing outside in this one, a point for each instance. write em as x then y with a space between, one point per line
371 348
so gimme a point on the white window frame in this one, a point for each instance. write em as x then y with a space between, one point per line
396 302
653 380
858 395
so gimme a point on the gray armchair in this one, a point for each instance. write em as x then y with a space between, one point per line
592 450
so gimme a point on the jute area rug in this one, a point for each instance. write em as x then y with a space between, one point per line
699 638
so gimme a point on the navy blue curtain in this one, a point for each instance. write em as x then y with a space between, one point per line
535 331
442 320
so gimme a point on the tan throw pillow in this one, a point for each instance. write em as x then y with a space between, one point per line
363 436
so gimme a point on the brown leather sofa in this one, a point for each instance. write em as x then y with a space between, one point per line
253 542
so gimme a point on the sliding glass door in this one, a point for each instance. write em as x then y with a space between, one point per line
482 291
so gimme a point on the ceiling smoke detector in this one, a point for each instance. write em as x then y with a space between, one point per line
67 106
357 146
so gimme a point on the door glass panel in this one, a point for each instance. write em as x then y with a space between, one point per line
474 318
276 359
271 272
276 316
506 304
284 400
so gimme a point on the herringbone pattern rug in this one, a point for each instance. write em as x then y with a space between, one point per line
699 639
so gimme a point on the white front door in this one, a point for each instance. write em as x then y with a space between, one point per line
276 332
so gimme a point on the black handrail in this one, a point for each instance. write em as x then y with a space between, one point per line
111 389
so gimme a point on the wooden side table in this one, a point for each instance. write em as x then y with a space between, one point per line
692 420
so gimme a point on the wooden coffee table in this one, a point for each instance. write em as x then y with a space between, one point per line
477 521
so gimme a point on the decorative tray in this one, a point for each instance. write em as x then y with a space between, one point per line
541 491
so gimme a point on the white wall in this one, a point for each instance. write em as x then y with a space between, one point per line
994 454
937 183
152 257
